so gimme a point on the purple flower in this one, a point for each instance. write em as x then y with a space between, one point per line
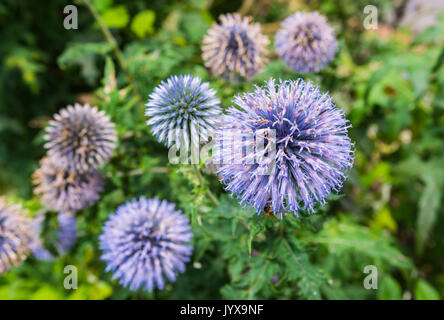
234 47
306 149
306 42
36 245
144 240
15 236
61 190
80 138
183 110
66 235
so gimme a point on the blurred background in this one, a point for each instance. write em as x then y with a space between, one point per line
389 80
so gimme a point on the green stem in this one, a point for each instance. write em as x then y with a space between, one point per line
201 179
120 60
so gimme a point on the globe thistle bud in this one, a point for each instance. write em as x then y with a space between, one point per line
61 190
80 138
235 47
66 236
183 110
306 42
306 149
15 236
144 240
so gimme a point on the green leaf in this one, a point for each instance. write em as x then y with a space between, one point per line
9 124
143 23
298 267
97 291
346 236
195 25
116 17
432 175
83 55
255 229
101 5
429 204
433 34
424 291
383 219
46 293
379 173
260 275
389 289
28 62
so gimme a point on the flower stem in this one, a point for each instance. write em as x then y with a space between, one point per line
120 60
201 179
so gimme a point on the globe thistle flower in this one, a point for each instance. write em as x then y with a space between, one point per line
66 235
15 236
306 150
235 47
144 240
61 190
181 110
306 42
80 138
36 244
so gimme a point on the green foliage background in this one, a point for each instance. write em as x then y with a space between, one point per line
389 214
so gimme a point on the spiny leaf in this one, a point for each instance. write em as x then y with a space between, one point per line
344 235
429 204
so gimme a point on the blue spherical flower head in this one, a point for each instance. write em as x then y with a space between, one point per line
306 42
36 245
183 110
66 236
15 236
301 147
235 48
144 240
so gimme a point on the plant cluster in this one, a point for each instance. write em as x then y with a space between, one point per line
349 175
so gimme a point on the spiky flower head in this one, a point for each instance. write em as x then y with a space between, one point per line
15 235
235 47
183 110
301 149
80 138
306 42
66 236
144 240
61 190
